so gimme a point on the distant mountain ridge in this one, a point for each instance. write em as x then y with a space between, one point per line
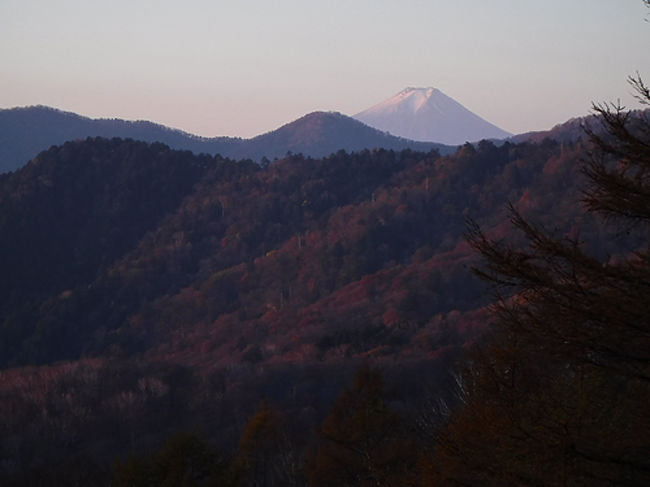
319 134
26 131
570 131
427 114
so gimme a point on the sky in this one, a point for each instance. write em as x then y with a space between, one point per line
245 67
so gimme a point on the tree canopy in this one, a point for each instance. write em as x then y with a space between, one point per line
558 394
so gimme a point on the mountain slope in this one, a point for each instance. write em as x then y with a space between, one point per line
320 134
117 247
572 130
24 132
427 114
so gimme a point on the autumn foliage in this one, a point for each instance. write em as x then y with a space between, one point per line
558 393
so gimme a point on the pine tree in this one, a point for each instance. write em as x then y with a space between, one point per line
362 443
558 394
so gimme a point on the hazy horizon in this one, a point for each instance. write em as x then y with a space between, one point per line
245 68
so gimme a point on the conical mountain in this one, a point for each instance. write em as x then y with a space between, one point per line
427 114
319 134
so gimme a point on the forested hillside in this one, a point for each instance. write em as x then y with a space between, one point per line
557 393
121 247
149 292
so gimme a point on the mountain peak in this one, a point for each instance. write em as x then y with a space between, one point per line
428 91
410 98
427 114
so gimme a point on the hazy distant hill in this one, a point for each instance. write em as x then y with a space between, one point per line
572 130
428 114
319 134
24 132
569 131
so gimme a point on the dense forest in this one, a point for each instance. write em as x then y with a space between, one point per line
119 247
174 319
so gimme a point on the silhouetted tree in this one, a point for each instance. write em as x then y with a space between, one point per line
559 394
258 446
184 460
361 440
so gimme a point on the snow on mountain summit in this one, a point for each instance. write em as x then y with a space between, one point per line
409 98
427 114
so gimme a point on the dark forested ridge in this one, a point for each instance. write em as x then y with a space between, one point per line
148 291
24 132
112 245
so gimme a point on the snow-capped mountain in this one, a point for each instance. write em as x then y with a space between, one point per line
427 114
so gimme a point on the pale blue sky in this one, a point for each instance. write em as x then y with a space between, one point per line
246 67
